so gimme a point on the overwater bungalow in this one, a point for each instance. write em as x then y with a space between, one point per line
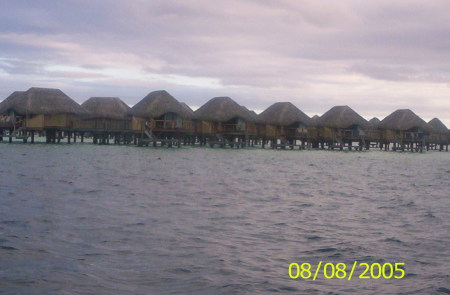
373 132
405 130
340 127
313 132
106 117
221 120
40 109
440 135
106 114
254 137
285 123
160 116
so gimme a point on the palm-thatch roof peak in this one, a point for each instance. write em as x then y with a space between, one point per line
106 107
221 109
438 126
404 119
158 103
34 101
187 108
314 120
284 114
342 117
252 114
374 122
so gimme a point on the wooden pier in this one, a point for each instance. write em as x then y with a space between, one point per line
160 120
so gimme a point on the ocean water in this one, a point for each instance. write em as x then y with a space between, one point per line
87 219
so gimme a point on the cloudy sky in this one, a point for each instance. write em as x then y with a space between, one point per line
375 56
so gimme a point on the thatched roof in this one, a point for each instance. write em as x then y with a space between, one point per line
252 114
36 101
284 114
438 126
374 123
187 108
403 119
8 103
342 117
106 107
314 120
221 109
158 103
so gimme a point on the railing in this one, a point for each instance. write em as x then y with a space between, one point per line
296 132
353 134
233 128
8 121
169 125
247 128
413 135
18 126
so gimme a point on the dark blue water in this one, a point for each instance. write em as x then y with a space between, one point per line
85 219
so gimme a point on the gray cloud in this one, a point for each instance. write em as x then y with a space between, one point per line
20 67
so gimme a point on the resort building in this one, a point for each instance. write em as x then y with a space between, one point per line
284 124
405 130
221 120
160 116
340 127
40 109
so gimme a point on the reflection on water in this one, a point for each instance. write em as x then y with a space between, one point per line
85 219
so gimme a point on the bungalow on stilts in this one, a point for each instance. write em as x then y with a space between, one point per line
44 110
439 137
373 133
224 122
285 125
106 117
159 117
340 127
405 130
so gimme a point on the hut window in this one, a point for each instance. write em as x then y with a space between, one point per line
240 124
12 116
301 128
350 133
354 131
172 120
409 135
